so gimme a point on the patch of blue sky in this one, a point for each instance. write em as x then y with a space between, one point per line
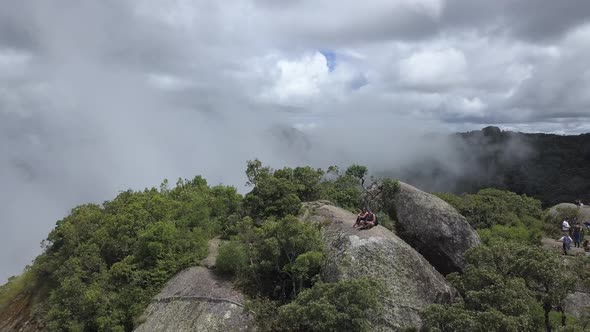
330 58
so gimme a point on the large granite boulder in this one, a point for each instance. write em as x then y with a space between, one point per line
434 228
197 300
377 252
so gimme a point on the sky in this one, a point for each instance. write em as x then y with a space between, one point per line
99 97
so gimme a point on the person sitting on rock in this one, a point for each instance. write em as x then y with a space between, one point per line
360 218
369 221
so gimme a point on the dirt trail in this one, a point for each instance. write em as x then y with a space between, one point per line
554 244
209 261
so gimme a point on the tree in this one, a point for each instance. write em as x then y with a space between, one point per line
506 286
255 172
357 171
272 196
347 305
277 259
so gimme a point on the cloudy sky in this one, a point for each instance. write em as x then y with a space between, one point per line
102 96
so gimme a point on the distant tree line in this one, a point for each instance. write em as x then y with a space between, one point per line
551 168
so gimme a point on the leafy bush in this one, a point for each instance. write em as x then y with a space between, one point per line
283 257
344 190
231 259
491 207
519 233
506 286
347 305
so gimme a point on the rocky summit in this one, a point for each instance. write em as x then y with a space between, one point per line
411 281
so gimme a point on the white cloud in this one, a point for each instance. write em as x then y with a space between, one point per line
472 107
433 68
300 79
306 80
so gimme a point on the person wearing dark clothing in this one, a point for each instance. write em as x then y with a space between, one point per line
566 241
577 235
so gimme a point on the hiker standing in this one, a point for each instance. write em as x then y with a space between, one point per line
577 235
566 240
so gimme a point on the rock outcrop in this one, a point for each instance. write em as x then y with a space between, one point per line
583 211
577 304
412 282
434 228
197 300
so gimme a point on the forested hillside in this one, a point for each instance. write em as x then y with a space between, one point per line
551 168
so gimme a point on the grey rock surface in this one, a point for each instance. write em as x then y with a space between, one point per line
584 210
197 300
434 228
578 304
412 282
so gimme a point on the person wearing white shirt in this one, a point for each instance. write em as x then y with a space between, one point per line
565 226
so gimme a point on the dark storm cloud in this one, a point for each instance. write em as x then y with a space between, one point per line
532 20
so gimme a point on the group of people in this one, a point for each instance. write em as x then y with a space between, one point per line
365 219
573 233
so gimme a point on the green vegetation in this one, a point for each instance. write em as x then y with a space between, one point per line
21 285
501 214
551 168
102 264
506 286
389 188
276 260
341 306
511 283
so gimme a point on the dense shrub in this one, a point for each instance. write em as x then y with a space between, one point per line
346 305
506 286
277 259
491 207
103 263
231 259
